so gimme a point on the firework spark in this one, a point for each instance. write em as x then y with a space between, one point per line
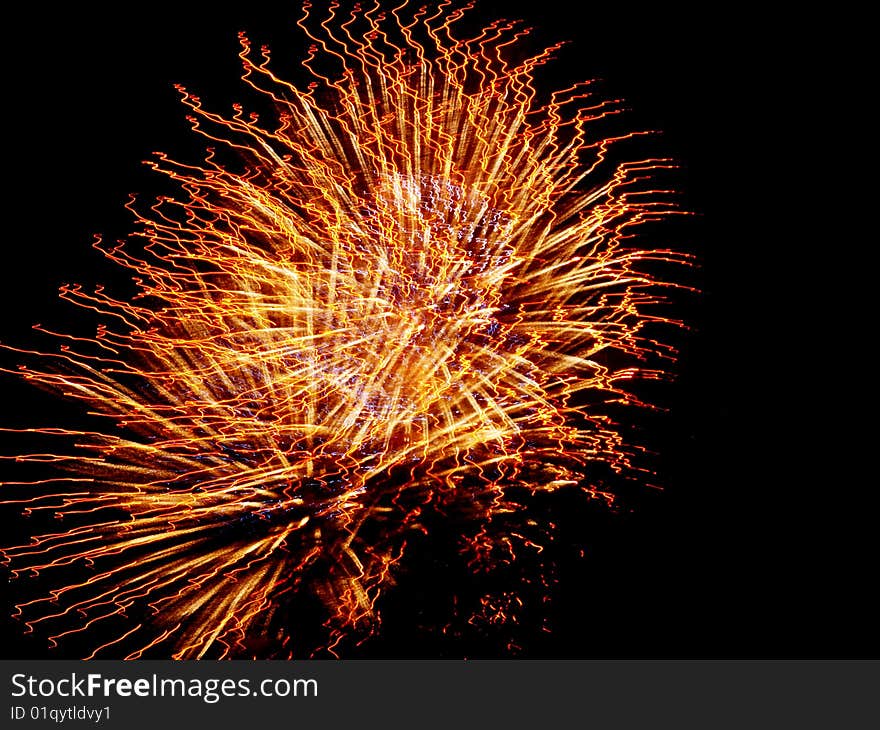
407 291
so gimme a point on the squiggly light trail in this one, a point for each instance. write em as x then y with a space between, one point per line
397 295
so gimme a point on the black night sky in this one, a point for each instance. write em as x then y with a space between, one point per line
756 548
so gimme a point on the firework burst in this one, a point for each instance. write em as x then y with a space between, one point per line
407 292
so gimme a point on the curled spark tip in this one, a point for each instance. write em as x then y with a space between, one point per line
407 304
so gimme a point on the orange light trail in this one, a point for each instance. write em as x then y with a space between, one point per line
410 288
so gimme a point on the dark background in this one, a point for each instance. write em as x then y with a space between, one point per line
760 544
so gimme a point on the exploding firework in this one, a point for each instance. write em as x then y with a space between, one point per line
405 296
